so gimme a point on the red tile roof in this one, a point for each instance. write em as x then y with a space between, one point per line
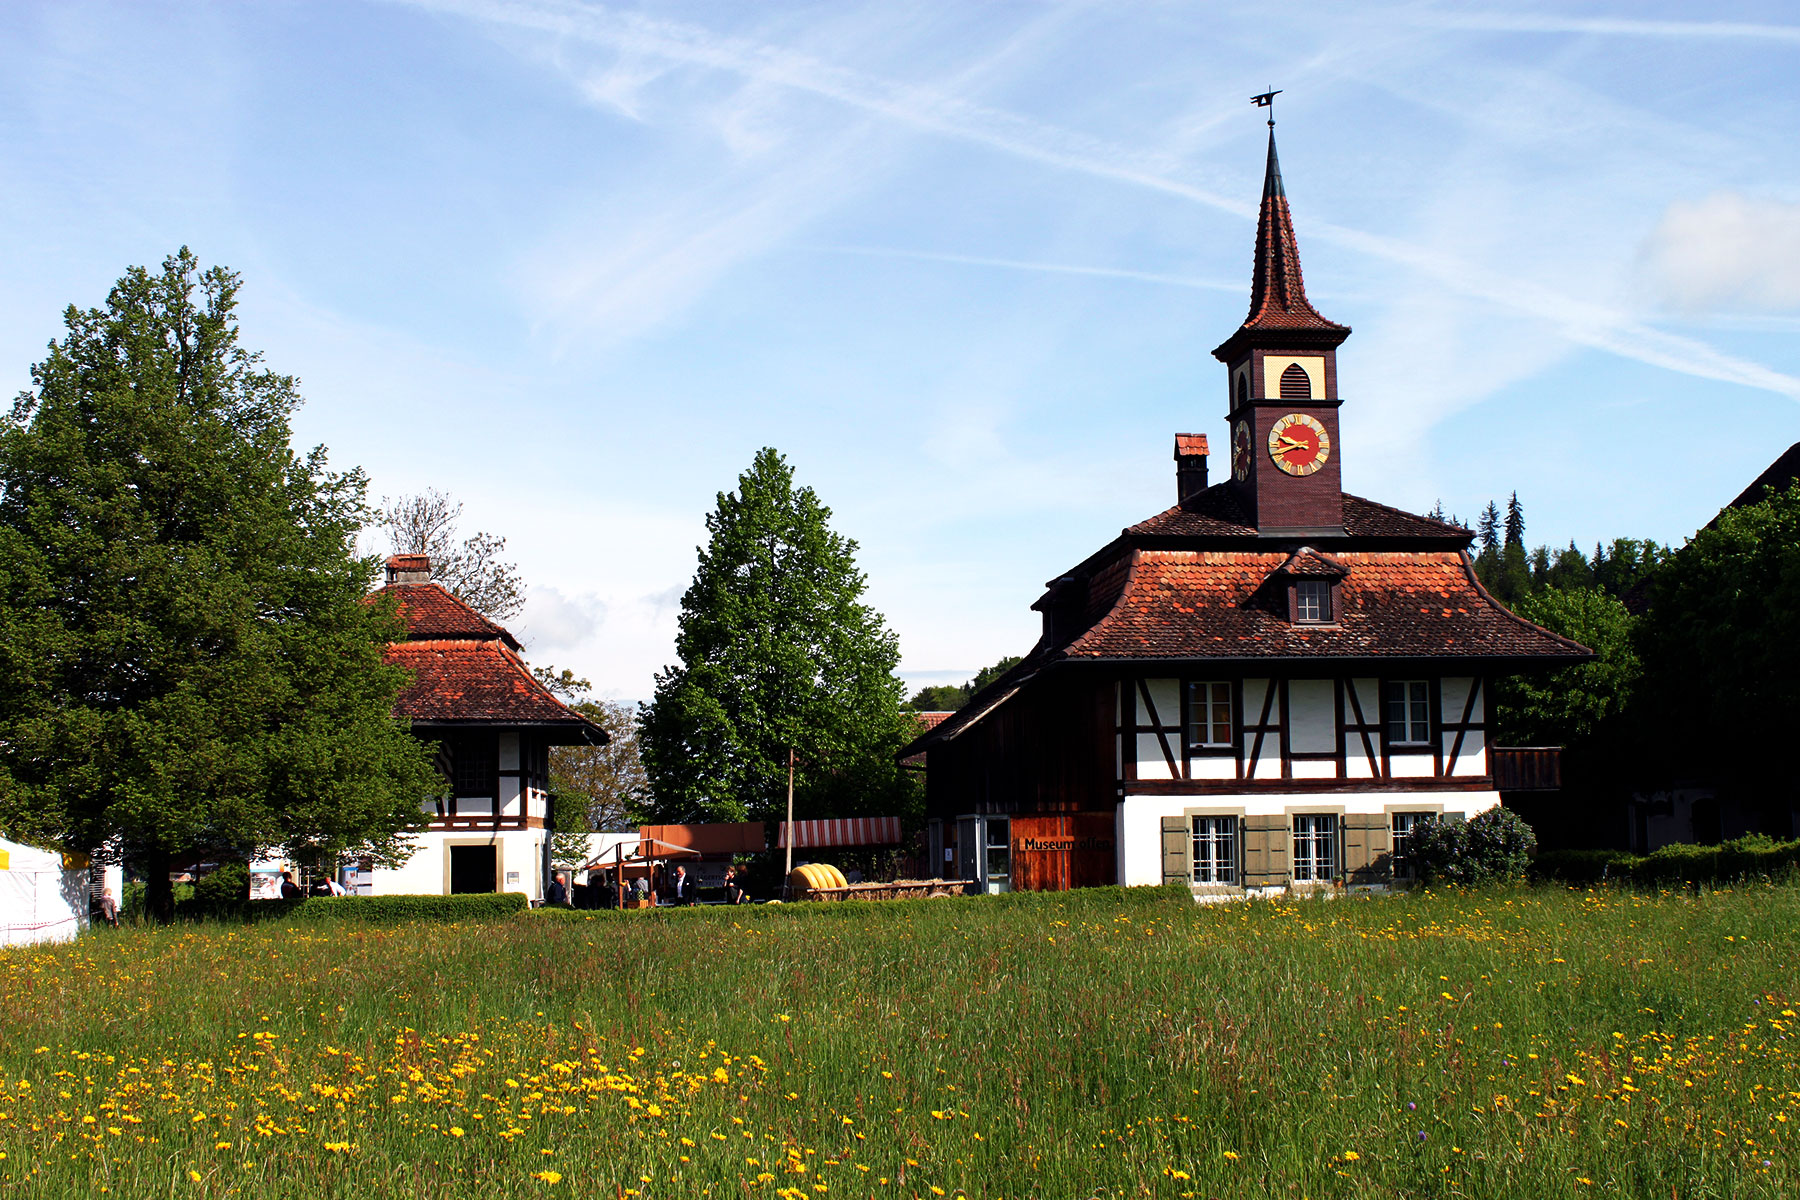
430 610
466 669
1218 606
1215 514
1391 604
1307 563
1278 300
1190 445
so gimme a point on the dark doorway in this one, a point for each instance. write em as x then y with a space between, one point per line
471 869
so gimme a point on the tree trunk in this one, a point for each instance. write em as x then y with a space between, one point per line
159 893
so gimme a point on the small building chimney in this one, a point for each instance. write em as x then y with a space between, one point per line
1190 465
408 568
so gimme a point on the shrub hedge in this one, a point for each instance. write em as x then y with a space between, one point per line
1494 847
1753 857
375 910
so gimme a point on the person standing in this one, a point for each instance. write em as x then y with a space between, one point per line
289 889
557 895
109 908
682 886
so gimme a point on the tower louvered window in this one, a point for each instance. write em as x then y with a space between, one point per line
1296 384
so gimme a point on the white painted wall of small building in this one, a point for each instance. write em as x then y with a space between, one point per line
1139 819
425 872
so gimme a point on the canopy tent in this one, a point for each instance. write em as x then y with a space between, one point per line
43 895
847 831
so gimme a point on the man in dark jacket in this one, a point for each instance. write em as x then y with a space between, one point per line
683 886
557 894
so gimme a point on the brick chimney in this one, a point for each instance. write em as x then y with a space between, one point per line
408 568
1190 465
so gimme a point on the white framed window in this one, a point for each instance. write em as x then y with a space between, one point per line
1402 827
1315 847
1408 712
999 854
1209 714
1214 851
1312 601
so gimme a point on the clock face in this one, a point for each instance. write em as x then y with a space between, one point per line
1240 451
1299 444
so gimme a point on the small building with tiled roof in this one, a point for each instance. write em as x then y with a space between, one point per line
490 725
1261 687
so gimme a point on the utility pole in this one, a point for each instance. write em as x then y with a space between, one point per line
789 836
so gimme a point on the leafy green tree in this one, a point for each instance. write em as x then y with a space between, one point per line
188 664
1721 664
942 697
778 653
949 698
1572 705
987 675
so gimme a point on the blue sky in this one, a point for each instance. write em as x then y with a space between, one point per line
962 263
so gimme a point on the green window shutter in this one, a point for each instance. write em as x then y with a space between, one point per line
1175 849
1266 850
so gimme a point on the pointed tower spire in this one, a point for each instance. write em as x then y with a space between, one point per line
1278 303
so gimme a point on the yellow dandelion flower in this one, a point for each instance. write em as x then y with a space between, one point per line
1351 1156
548 1176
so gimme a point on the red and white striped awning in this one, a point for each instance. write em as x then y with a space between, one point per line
849 831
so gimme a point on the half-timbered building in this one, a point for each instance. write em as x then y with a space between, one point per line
1261 687
490 726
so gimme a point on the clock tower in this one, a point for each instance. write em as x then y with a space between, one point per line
1281 367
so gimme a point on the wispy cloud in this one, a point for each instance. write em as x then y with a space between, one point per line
1609 26
1582 321
1727 251
1013 264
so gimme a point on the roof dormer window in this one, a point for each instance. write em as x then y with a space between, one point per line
1312 601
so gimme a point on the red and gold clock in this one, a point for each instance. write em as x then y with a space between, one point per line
1240 451
1299 444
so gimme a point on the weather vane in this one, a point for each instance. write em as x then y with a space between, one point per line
1267 100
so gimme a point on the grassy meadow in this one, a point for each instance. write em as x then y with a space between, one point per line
1530 1043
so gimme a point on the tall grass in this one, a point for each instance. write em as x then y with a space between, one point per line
1533 1043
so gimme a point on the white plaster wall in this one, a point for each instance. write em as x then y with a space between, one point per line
1367 693
1212 768
520 850
509 795
1150 761
1411 766
1312 715
1139 819
1256 691
1314 770
1356 760
1473 759
1453 692
479 806
1165 694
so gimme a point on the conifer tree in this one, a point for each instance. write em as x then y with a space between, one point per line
190 666
1487 529
778 653
1515 521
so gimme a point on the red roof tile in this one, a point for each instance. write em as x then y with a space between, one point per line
1391 604
1278 300
429 610
465 668
1214 513
1190 445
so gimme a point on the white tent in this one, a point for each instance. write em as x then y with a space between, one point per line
43 895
